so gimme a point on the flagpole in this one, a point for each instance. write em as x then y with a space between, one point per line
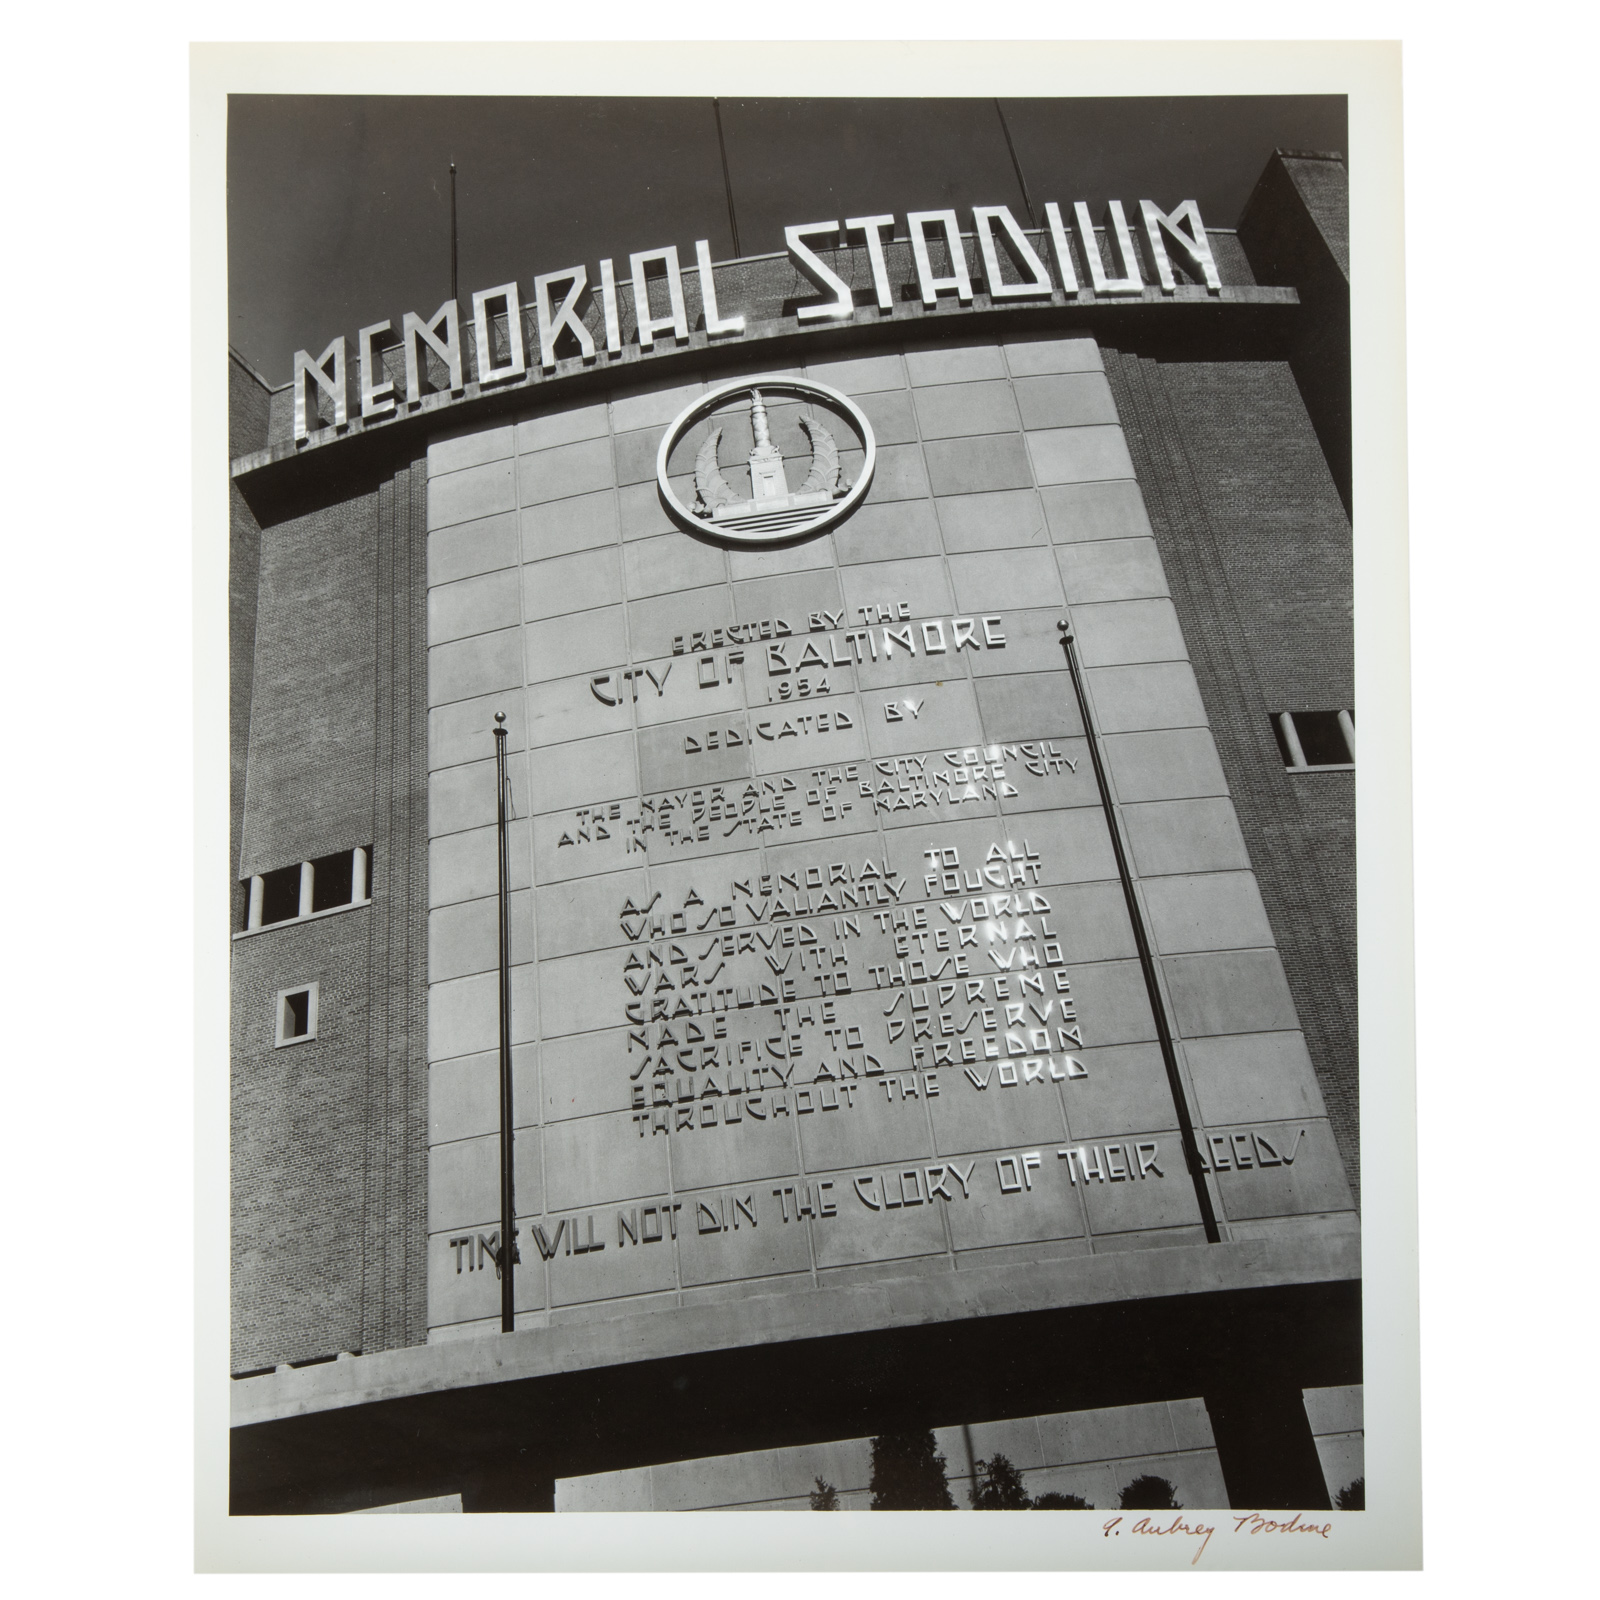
508 1209
1141 941
455 290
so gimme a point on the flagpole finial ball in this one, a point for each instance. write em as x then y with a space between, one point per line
500 718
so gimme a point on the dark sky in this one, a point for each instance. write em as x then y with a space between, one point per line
339 206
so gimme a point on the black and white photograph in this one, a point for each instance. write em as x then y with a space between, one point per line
793 766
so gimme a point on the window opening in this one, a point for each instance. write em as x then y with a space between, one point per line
280 899
308 888
297 1014
331 880
1309 740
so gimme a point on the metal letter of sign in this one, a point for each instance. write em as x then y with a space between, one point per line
771 512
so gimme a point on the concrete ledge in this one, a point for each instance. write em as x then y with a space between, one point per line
773 1320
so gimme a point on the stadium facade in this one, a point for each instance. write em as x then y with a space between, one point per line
926 664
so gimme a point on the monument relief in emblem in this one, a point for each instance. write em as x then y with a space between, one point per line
771 512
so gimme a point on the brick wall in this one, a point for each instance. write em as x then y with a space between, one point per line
1253 535
329 1177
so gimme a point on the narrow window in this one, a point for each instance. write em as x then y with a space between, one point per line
331 881
1311 741
297 1015
280 899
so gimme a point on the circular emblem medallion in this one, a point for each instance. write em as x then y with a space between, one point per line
782 420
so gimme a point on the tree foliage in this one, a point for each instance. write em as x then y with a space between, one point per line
908 1474
1353 1497
824 1497
1149 1493
999 1487
1054 1501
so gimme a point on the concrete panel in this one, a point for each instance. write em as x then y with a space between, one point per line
1336 1410
471 493
859 1235
560 527
1208 911
464 1180
468 548
1135 698
1178 764
871 1131
475 666
1029 705
565 846
459 1295
465 866
635 455
464 937
597 1161
1112 998
578 1074
579 642
1073 1438
814 552
1111 569
564 470
464 1096
954 410
464 796
463 730
675 561
583 773
565 709
641 512
1027 357
998 1219
888 532
1126 1088
611 1273
1095 511
606 1491
1343 1458
1065 400
899 474
746 1150
1172 836
652 407
1079 455
969 1121
665 764
1032 644
955 364
892 417
1252 1077
772 1246
1001 521
1164 1198
973 466
654 624
585 914
1196 1478
933 716
1017 578
1236 991
561 427
1314 1181
793 597
860 375
920 583
580 992
474 605
1120 633
578 582
468 447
